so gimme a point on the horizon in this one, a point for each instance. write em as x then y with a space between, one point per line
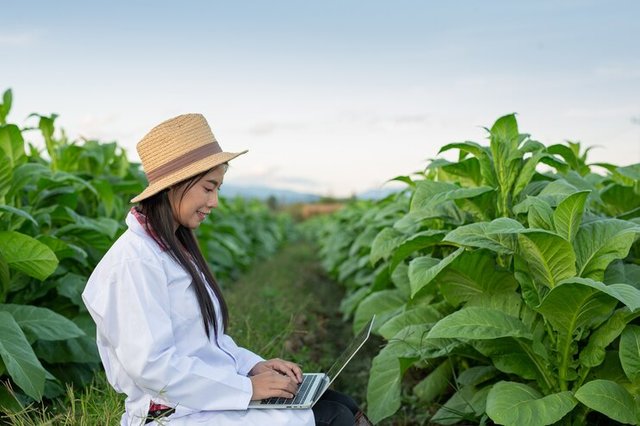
332 98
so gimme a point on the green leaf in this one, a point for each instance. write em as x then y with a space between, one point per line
19 212
385 377
573 304
527 172
479 324
599 243
12 143
19 359
384 304
471 275
550 257
628 295
8 401
6 176
422 270
414 243
517 404
420 314
435 383
610 399
467 403
510 356
27 254
594 353
494 235
476 375
384 244
630 352
483 154
540 215
5 106
42 323
568 215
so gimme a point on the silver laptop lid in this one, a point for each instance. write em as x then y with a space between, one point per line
349 352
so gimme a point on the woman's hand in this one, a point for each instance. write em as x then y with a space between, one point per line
275 377
287 368
270 383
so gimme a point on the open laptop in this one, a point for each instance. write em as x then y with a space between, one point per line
314 384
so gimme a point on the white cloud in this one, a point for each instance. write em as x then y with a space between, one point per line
19 39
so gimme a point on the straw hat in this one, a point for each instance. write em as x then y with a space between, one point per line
178 149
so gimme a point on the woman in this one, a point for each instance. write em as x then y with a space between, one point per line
160 314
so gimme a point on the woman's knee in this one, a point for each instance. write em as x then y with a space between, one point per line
331 413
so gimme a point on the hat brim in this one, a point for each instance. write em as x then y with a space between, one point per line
191 170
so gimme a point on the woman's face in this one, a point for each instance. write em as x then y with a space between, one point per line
191 206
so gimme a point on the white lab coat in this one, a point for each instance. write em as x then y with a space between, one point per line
153 345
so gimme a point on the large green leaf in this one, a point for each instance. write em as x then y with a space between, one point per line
384 244
483 154
12 143
420 314
384 304
630 352
479 324
512 356
385 376
18 212
422 271
473 274
540 215
42 323
413 243
436 383
568 215
572 305
427 190
599 243
610 399
18 357
6 176
27 254
495 236
516 404
628 295
594 353
549 256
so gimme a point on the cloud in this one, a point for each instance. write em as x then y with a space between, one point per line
270 127
19 39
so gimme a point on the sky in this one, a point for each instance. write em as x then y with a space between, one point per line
332 97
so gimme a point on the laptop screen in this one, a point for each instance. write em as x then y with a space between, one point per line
350 351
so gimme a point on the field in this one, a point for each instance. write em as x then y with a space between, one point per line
506 284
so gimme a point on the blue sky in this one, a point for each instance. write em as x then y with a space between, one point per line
332 97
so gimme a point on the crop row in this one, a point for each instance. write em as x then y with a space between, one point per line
61 208
508 281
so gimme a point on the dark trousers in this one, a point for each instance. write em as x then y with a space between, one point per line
335 409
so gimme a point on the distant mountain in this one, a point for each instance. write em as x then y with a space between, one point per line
283 196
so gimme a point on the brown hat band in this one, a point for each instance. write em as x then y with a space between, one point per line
182 161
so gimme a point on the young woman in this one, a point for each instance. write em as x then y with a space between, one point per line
160 315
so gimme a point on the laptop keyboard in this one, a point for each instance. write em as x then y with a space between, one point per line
305 387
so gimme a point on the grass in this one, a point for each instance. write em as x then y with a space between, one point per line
284 307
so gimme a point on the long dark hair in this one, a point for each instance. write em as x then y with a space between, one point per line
183 247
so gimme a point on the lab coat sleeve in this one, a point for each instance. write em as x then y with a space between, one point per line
134 316
245 359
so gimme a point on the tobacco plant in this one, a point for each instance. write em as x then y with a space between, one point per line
515 287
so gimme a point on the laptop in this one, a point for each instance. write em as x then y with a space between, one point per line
315 384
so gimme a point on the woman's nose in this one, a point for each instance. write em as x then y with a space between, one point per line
212 202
